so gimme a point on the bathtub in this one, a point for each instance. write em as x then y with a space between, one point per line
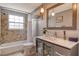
12 47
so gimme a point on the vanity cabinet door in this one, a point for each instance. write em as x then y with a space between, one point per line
39 47
78 49
48 49
61 51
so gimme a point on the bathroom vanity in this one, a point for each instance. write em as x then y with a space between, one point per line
51 46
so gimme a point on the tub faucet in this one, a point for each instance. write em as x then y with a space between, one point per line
64 35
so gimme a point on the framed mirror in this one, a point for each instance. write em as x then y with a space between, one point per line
62 16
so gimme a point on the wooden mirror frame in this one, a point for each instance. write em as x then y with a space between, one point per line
74 19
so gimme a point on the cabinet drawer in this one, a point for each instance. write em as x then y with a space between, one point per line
61 50
48 47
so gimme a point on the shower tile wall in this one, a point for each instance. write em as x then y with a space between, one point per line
7 35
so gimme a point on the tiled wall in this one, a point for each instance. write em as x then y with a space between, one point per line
7 35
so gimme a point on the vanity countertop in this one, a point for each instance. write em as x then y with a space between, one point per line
59 41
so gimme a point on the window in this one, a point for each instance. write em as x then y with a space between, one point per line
16 22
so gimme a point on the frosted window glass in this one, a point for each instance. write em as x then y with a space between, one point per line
11 20
16 22
11 16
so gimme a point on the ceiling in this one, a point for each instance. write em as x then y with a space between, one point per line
25 7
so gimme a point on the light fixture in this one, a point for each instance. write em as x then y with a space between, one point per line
53 14
42 9
75 6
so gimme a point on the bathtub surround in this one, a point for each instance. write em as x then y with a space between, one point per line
12 47
7 35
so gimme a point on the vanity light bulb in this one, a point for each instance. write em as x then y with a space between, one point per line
75 6
53 14
42 10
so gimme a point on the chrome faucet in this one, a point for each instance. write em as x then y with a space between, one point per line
64 35
55 34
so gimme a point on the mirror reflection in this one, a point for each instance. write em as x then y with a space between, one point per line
60 16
